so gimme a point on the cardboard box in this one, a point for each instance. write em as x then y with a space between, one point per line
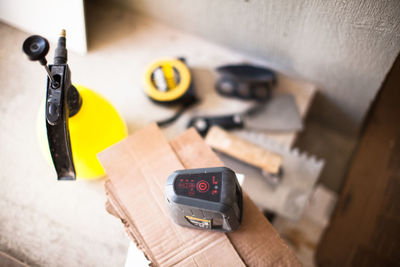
138 167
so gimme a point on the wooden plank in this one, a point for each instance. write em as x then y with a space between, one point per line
365 229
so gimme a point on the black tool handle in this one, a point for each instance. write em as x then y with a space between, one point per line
246 82
62 101
57 114
228 122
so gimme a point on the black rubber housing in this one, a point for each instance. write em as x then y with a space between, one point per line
203 123
227 211
246 82
36 48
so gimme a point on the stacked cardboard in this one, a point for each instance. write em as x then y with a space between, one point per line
137 169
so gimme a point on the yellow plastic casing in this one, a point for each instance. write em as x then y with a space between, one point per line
95 127
175 93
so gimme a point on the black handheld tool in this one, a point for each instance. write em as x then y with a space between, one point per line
243 81
203 123
62 101
206 198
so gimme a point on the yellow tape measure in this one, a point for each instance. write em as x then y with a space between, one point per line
167 80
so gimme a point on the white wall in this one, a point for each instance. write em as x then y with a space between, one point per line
47 18
345 46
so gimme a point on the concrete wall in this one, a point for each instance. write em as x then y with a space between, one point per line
345 46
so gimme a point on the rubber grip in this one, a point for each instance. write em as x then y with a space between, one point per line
57 114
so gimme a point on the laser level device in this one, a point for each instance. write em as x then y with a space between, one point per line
169 82
206 198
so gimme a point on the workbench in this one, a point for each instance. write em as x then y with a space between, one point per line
46 222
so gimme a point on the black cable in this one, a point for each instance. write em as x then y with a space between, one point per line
177 114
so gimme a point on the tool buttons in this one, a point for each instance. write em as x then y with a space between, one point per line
202 186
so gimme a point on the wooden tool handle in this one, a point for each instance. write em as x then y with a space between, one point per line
243 150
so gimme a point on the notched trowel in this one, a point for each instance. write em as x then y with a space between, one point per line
268 162
276 178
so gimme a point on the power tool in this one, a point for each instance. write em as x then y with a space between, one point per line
245 82
205 198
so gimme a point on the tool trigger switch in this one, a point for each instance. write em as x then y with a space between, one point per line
53 109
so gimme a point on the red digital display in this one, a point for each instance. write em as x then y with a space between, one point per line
201 185
186 185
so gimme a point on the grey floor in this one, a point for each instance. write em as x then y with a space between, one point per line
47 223
43 222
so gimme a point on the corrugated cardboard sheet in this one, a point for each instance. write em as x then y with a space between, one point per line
137 169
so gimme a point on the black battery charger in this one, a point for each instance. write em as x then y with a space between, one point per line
206 198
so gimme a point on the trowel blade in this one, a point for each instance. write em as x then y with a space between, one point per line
300 173
279 114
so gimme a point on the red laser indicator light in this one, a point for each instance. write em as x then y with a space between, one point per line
202 186
214 180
